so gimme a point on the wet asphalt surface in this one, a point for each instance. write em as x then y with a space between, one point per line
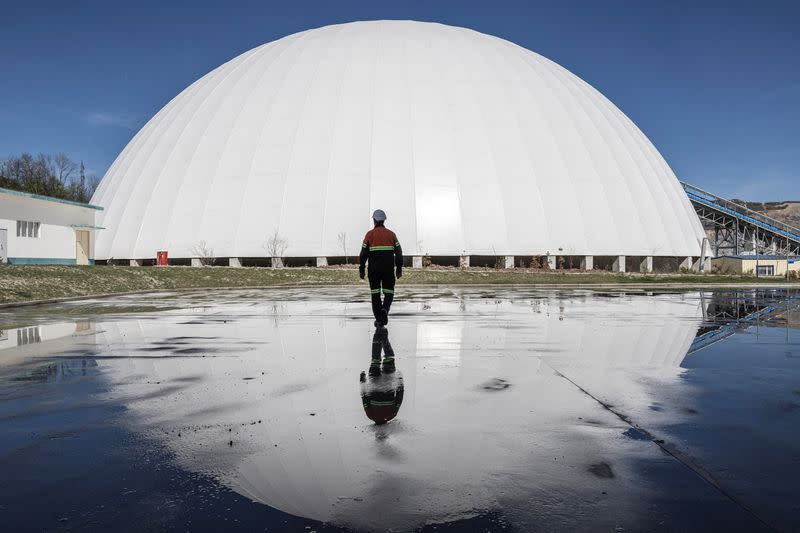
504 410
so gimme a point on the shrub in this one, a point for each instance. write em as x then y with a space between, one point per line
204 252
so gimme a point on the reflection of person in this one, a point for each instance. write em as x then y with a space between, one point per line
385 256
382 389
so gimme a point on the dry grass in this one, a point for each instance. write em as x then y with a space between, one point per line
26 283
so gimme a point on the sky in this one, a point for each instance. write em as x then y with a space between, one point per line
714 85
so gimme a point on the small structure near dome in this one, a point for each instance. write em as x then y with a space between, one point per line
758 265
42 230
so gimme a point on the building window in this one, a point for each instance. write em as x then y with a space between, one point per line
765 270
28 335
28 229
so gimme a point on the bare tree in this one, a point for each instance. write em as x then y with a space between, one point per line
426 258
51 175
87 184
343 244
78 189
204 252
63 167
275 246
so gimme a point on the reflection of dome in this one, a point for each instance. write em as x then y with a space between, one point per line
469 142
456 447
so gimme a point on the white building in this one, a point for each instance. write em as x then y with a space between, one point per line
38 229
470 143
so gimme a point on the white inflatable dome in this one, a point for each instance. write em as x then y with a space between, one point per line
470 143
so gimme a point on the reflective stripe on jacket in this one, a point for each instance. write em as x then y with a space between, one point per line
382 249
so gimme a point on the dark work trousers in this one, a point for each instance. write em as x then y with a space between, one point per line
381 280
380 341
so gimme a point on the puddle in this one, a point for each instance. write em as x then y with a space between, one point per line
477 409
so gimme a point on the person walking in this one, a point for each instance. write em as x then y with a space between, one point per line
382 388
382 251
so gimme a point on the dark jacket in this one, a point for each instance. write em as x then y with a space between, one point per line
382 249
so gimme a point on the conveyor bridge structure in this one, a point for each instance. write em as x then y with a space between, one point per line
735 229
728 313
714 335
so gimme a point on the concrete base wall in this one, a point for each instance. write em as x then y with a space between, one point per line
645 264
42 261
701 265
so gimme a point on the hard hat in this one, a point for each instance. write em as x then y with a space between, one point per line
379 215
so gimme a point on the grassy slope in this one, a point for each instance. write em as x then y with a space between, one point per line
25 283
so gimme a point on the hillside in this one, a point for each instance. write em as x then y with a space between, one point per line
786 212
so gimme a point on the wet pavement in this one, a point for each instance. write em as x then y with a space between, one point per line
477 410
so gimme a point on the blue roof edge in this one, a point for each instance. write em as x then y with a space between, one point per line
50 199
85 226
756 257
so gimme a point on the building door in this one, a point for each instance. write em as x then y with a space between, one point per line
82 247
3 246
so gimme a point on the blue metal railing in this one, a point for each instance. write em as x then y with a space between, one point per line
741 212
712 337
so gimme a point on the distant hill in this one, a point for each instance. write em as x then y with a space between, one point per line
786 212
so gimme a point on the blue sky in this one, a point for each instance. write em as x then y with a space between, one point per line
714 85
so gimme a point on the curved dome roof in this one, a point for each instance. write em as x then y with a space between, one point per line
470 144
